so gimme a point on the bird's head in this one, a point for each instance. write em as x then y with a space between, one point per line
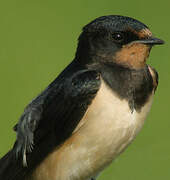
116 39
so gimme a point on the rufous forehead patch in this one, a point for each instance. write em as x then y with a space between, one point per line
144 33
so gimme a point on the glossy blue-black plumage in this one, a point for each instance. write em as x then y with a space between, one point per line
50 119
114 23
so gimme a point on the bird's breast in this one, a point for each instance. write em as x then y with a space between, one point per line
107 127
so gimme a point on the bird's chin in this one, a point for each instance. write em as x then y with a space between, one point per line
133 55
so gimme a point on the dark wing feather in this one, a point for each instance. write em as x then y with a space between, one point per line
52 117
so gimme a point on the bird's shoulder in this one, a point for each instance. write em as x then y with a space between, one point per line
57 110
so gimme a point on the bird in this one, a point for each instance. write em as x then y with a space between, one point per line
92 111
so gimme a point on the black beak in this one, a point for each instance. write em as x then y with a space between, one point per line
151 41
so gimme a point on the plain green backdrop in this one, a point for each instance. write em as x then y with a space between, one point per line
38 39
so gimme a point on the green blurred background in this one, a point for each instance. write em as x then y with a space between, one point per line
38 39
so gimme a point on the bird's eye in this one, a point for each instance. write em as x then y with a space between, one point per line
118 37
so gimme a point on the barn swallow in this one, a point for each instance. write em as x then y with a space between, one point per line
92 111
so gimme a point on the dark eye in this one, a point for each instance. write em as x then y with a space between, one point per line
118 37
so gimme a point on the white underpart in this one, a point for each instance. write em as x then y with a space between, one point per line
104 132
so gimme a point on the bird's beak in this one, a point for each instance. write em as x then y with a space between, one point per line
151 41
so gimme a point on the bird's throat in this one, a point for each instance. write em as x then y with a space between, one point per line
133 55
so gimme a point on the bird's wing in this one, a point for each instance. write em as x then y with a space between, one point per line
55 113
